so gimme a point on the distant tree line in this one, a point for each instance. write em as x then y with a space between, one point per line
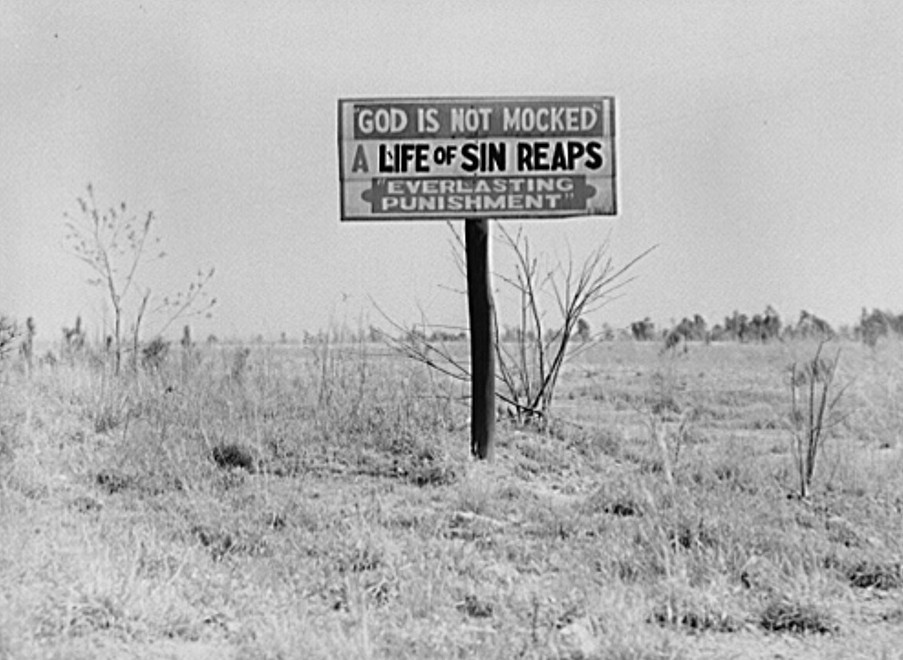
738 327
767 326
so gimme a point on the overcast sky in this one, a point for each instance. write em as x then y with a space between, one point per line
760 145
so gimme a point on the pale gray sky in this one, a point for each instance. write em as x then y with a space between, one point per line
760 144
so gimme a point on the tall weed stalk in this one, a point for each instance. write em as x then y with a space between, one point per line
813 412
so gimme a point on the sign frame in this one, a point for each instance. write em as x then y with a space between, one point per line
567 180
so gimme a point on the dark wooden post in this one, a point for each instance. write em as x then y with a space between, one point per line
482 338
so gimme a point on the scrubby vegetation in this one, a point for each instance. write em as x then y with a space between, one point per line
319 501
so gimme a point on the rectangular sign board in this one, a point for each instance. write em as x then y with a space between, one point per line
446 158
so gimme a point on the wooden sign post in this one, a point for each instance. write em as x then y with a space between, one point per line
471 159
482 338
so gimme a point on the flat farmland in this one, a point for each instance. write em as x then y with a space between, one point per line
320 502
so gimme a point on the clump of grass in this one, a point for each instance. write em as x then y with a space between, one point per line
794 616
697 611
112 481
433 473
233 455
619 495
221 542
874 574
475 607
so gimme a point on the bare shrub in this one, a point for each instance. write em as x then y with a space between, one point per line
532 353
813 412
115 245
531 368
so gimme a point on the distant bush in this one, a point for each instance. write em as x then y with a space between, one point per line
877 324
8 334
154 353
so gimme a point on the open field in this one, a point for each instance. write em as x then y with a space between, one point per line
319 502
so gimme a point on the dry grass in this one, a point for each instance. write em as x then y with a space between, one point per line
314 503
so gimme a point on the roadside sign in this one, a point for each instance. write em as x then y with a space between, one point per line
477 159
466 158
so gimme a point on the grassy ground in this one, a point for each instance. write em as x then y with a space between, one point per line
320 503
